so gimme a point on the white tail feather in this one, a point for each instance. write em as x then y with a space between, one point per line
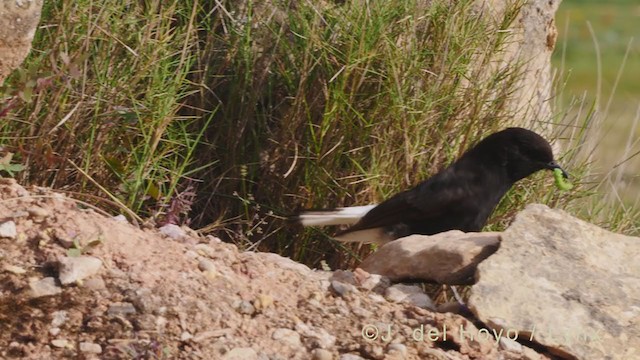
339 216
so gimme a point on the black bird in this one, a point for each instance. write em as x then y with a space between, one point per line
460 197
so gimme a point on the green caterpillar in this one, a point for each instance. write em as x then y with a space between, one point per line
561 183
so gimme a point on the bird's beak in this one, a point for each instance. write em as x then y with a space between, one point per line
554 165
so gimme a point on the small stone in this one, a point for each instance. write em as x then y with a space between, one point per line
44 287
95 283
206 265
211 275
37 212
321 338
246 308
321 354
186 336
54 331
14 269
241 354
510 345
374 282
450 307
173 231
344 276
421 301
61 343
8 230
351 357
58 318
205 250
66 240
120 218
397 349
121 309
342 289
287 336
190 254
262 301
73 269
87 347
399 292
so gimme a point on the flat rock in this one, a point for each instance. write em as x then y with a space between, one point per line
44 287
568 284
74 269
447 258
8 230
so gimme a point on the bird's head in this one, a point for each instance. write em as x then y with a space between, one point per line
521 152
527 153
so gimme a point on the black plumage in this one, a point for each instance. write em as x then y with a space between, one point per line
461 197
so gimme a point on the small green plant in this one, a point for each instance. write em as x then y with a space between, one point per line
7 166
79 248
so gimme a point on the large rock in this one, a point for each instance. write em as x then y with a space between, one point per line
19 19
568 284
447 258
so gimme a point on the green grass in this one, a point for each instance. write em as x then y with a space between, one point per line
245 113
599 56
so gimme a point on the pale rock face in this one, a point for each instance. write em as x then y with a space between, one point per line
533 39
447 258
571 285
19 19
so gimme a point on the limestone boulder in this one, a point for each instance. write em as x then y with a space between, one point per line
564 283
447 258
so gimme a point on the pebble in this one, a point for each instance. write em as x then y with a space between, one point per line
205 250
123 308
61 343
95 283
510 345
206 265
246 308
14 269
375 281
351 357
240 354
287 336
408 294
397 348
262 301
342 289
93 348
8 230
38 212
321 354
74 269
186 336
173 231
58 318
421 301
120 218
44 287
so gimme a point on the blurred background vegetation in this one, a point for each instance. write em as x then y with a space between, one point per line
598 59
231 115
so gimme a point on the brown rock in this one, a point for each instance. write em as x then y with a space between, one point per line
447 258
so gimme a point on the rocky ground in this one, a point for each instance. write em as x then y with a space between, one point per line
78 284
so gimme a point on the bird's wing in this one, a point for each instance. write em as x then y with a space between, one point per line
429 199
